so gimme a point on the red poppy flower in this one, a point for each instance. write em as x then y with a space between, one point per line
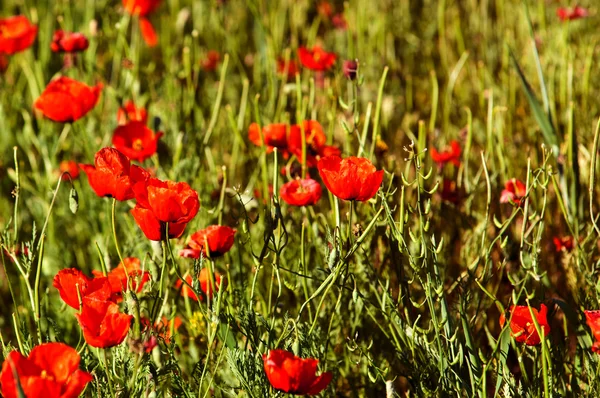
291 374
67 100
130 268
152 227
129 112
112 176
211 61
449 155
564 243
169 201
351 178
273 135
136 141
316 59
593 320
69 166
204 284
72 284
315 139
288 70
220 239
306 192
51 370
67 42
143 8
514 191
161 202
570 14
102 324
16 34
522 326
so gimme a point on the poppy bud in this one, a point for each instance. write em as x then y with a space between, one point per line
350 69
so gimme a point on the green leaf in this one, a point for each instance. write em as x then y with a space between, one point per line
542 118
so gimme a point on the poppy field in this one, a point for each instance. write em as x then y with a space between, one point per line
252 198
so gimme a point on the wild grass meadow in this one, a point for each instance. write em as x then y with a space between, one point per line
255 198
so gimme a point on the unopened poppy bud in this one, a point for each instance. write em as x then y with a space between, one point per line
350 69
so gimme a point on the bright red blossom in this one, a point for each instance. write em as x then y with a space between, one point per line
136 141
160 202
67 100
128 273
67 42
522 326
112 175
514 192
291 374
205 284
351 178
51 370
448 155
316 59
16 34
570 14
273 135
219 239
130 112
315 141
592 318
301 192
102 324
73 284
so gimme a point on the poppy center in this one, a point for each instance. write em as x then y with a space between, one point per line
45 375
138 144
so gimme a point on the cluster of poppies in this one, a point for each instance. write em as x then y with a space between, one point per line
97 300
351 178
